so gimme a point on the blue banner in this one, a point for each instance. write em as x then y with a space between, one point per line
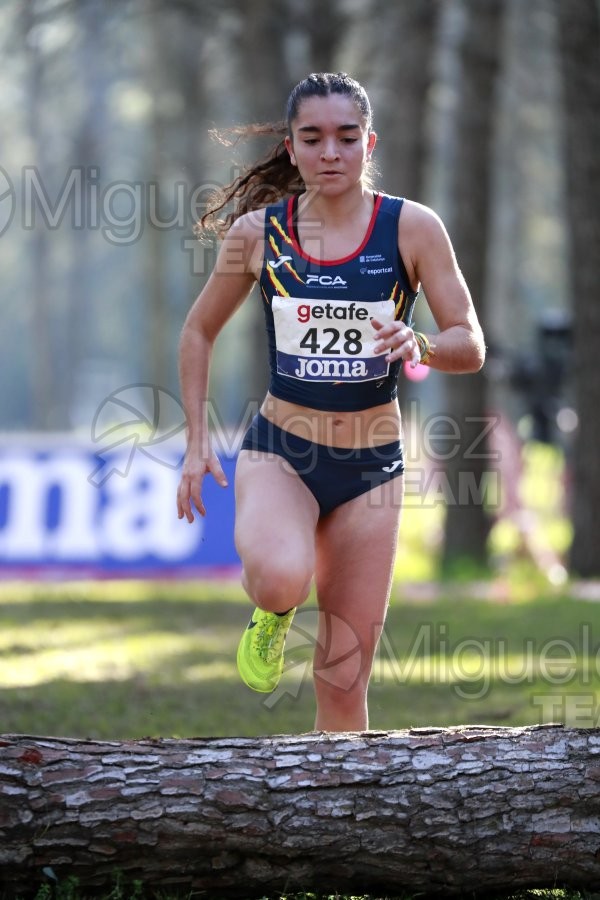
66 510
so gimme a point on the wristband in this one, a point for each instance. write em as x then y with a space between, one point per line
425 347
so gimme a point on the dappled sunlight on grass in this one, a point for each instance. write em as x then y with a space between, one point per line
93 638
206 671
122 659
452 661
228 590
90 665
102 659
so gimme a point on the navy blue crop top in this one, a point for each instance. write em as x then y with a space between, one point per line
318 312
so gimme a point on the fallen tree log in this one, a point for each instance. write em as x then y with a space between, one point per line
438 811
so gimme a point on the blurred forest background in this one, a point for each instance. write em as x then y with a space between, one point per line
487 110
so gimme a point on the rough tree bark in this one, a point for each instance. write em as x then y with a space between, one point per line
438 811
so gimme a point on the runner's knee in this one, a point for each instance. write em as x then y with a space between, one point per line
277 585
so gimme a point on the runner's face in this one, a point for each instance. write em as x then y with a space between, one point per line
330 143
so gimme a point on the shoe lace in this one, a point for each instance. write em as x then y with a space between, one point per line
270 638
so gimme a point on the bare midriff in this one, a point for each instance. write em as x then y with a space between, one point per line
371 427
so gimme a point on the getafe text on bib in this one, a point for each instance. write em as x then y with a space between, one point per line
319 313
329 340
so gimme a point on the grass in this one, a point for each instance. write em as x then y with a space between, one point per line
131 659
69 890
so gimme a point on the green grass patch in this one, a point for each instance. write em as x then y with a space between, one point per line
118 660
69 890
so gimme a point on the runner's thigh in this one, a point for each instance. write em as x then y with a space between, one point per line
276 514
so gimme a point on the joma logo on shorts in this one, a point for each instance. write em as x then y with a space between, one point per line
330 368
326 280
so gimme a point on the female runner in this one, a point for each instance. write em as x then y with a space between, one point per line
319 477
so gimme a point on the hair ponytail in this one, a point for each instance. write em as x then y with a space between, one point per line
265 181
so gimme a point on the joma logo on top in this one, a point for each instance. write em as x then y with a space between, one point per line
331 368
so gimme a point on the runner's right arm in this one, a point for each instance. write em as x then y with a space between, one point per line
228 286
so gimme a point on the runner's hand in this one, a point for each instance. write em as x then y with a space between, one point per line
399 340
190 485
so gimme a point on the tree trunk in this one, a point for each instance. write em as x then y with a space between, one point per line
404 34
324 26
42 391
432 810
264 82
579 39
478 56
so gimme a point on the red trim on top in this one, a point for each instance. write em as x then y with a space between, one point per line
329 262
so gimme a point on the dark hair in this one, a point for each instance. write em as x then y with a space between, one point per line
322 84
273 176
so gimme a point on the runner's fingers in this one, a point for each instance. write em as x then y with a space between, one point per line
385 331
214 467
196 495
190 487
189 490
180 500
183 501
415 359
408 351
397 339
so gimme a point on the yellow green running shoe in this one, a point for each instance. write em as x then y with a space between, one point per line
260 652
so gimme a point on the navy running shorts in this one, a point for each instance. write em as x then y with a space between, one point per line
333 475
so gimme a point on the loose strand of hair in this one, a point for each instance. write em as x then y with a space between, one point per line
265 181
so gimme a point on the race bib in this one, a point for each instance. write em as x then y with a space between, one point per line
329 340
